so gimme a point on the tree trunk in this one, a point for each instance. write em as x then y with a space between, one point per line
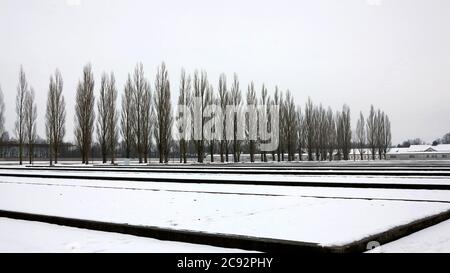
181 151
56 153
50 153
185 152
222 148
104 156
211 150
20 152
252 151
226 151
30 152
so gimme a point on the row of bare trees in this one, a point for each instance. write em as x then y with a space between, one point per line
26 111
197 95
84 113
139 113
55 116
146 118
25 125
163 109
374 133
321 132
318 131
107 130
145 115
2 113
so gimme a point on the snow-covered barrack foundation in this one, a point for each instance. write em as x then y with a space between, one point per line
257 216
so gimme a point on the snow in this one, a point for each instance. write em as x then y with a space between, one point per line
224 209
422 149
326 192
27 236
332 177
193 161
442 148
435 239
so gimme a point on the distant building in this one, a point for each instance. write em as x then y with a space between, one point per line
10 151
420 152
366 154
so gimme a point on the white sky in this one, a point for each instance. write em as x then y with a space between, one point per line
394 54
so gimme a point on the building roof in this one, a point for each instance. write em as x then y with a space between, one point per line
364 150
441 148
418 148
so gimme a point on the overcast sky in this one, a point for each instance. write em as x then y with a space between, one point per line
394 54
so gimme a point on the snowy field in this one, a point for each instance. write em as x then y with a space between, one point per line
327 216
435 239
27 236
442 196
329 178
305 214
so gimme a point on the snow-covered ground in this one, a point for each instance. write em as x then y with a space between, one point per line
319 192
435 239
331 178
28 236
288 214
193 162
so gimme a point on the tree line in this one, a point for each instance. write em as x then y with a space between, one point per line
146 118
445 139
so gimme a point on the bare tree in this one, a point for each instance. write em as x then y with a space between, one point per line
320 125
361 135
262 115
371 126
251 106
183 118
22 90
128 117
139 85
445 139
224 98
278 100
382 133
290 125
300 133
200 84
387 137
103 116
379 135
164 119
210 98
2 114
55 115
147 115
310 128
30 122
106 120
236 100
84 113
270 122
331 133
113 132
344 132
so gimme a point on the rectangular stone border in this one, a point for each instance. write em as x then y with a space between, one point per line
238 182
234 241
313 171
